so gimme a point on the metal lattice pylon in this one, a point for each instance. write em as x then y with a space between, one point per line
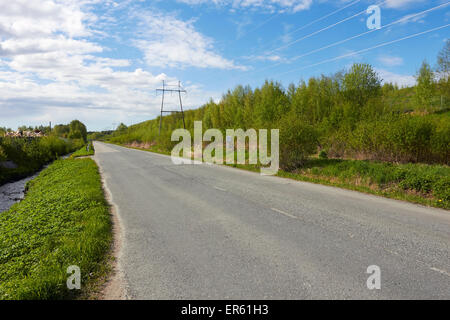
165 89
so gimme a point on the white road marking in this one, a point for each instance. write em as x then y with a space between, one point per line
440 271
218 188
284 213
444 272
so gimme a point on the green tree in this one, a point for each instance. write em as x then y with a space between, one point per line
443 60
77 130
443 72
360 84
425 87
121 128
61 130
272 104
298 140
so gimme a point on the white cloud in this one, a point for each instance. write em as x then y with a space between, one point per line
402 80
271 5
49 69
272 58
390 61
398 4
169 42
19 46
28 19
413 18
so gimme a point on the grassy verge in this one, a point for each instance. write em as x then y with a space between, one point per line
63 221
83 152
418 183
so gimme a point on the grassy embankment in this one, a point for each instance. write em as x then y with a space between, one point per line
63 220
419 183
83 152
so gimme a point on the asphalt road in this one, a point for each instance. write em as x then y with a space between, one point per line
214 232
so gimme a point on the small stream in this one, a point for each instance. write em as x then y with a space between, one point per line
13 192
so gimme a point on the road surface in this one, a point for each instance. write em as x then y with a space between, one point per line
214 232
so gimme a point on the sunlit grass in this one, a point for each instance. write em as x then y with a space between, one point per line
63 220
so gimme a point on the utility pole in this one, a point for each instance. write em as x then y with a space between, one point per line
178 89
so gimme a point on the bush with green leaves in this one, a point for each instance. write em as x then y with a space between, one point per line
3 156
31 154
323 154
298 140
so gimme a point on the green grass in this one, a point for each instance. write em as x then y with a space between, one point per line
419 183
83 151
63 220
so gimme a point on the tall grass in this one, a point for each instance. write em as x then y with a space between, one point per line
83 152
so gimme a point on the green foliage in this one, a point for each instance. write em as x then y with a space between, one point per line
83 152
443 74
77 130
352 114
399 138
443 59
30 154
61 130
122 128
298 140
323 154
74 130
3 156
360 84
431 182
63 221
425 89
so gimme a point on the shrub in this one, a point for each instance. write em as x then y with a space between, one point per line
30 154
2 154
442 189
298 140
323 154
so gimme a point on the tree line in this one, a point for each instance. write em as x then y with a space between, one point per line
350 114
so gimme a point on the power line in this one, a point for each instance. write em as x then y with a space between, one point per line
261 24
318 19
303 26
323 29
405 18
324 17
367 49
164 89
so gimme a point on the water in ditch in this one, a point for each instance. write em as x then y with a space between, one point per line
13 192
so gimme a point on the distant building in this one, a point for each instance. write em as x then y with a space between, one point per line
19 134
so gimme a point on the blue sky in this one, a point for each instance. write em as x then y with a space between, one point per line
101 61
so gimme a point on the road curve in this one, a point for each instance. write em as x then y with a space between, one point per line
214 232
